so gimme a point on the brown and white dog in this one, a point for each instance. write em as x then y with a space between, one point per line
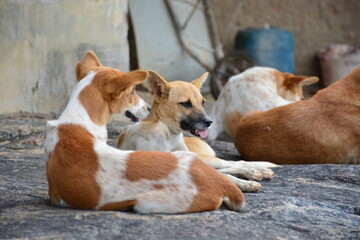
258 88
322 129
84 172
178 108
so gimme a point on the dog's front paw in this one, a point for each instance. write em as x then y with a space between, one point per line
252 186
267 173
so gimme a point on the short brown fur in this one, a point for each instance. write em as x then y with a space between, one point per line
149 165
323 129
109 91
72 168
213 189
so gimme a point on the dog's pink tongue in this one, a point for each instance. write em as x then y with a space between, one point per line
202 133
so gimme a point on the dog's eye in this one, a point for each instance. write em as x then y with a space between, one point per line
186 104
203 102
133 91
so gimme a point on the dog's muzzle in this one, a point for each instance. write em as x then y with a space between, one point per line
197 128
131 116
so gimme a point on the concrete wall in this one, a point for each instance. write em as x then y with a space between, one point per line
315 24
41 40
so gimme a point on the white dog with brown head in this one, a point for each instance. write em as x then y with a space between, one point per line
258 88
84 172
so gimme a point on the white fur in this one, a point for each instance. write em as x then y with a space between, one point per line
157 138
178 192
75 113
176 196
140 110
254 89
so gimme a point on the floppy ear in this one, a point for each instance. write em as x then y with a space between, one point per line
89 61
117 84
158 87
199 82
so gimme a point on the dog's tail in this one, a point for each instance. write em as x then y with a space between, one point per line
233 197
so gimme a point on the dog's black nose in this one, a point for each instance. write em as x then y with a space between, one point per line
208 123
149 108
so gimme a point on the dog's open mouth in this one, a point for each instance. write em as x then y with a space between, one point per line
199 133
196 128
131 116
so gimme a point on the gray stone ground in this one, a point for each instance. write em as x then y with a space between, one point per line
301 202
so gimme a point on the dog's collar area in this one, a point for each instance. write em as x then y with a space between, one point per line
131 116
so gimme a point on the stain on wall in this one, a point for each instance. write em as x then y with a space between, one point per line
315 24
41 40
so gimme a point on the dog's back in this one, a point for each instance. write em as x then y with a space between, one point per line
258 88
323 129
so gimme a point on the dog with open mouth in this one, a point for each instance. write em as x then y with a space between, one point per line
178 108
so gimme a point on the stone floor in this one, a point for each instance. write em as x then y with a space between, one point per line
301 202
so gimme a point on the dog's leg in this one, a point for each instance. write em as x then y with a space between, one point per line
244 185
250 170
262 167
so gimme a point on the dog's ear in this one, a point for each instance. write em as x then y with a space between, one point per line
309 80
158 87
291 80
200 81
117 84
89 61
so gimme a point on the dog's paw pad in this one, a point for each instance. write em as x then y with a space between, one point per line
256 175
253 187
268 174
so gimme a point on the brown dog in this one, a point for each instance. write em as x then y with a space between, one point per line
323 129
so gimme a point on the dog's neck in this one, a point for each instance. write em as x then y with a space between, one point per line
76 113
156 116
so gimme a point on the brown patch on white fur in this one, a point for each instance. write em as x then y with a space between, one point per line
290 86
72 163
211 191
116 88
158 186
149 165
71 168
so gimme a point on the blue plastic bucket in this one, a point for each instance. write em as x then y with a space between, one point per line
272 47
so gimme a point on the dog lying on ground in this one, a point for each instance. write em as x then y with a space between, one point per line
322 129
178 108
84 172
258 88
